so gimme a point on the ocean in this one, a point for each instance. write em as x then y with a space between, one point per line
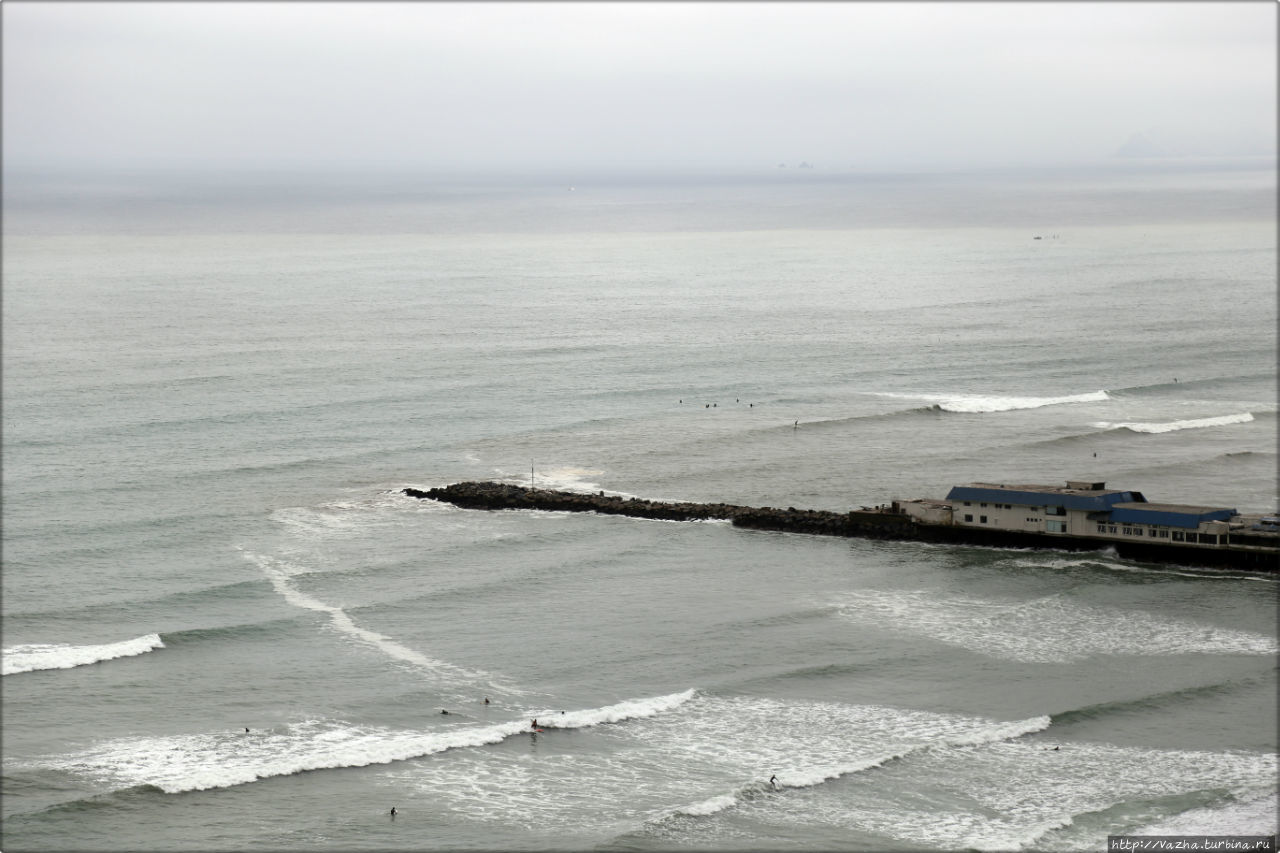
226 627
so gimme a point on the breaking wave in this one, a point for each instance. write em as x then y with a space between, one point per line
611 713
1156 701
35 656
811 744
1174 426
197 762
988 403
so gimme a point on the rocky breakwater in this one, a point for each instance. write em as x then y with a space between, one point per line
500 496
871 524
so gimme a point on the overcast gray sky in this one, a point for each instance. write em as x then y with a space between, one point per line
437 85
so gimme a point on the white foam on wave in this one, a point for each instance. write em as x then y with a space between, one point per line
562 479
1026 795
807 744
37 656
709 806
958 830
1042 630
346 518
703 756
279 573
1174 426
197 762
1020 794
1251 817
313 521
1111 561
990 403
631 709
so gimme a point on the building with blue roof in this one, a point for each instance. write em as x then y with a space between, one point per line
1086 508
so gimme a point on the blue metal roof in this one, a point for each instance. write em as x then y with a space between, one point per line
1190 517
1097 502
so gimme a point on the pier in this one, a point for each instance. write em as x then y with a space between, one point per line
881 523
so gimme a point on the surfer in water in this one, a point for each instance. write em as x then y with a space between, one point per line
534 725
393 812
773 780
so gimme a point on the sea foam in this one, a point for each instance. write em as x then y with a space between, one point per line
278 573
1020 794
1043 630
1251 817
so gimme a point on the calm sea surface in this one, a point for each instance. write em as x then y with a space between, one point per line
225 628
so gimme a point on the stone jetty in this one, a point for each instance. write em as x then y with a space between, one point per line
875 524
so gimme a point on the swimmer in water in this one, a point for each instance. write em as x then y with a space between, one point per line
393 811
773 780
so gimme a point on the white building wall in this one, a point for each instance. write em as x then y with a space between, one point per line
1000 516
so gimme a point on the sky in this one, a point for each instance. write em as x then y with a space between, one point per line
476 86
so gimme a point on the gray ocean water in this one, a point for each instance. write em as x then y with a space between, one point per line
225 628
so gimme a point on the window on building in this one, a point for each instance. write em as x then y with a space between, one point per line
1055 510
1208 539
1164 534
1055 526
1177 535
982 519
1102 528
1111 528
968 517
984 506
966 503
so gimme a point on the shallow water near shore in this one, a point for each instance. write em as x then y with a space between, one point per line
227 628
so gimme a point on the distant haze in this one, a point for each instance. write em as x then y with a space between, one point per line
634 86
